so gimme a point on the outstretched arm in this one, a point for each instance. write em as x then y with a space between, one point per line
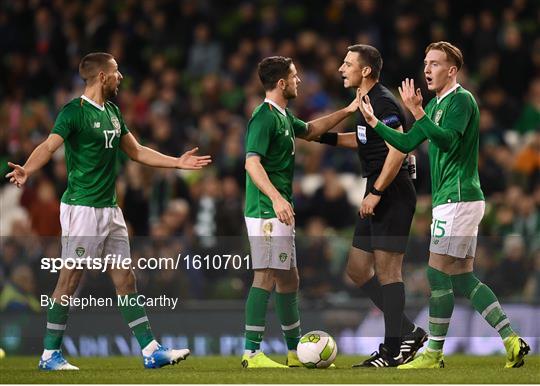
147 156
39 157
321 125
404 142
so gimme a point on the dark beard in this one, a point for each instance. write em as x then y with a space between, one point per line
109 93
287 95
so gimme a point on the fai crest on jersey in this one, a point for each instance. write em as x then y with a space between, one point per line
362 135
438 116
116 124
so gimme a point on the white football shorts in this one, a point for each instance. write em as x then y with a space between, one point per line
93 232
454 228
272 243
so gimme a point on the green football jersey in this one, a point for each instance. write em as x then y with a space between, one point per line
454 173
270 133
92 140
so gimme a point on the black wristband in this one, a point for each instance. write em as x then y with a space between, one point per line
329 139
375 191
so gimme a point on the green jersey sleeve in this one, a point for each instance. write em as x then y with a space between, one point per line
404 142
457 119
299 126
65 121
259 134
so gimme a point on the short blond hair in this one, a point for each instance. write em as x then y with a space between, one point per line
453 54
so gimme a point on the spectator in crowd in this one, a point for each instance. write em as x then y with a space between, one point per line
189 79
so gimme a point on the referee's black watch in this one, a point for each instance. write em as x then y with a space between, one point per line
375 191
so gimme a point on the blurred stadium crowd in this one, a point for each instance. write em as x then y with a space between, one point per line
190 80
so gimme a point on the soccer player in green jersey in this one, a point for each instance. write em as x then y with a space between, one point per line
450 123
269 213
93 132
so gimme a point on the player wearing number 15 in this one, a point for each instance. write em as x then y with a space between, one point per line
93 131
451 123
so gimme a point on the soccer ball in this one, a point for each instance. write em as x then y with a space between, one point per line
317 349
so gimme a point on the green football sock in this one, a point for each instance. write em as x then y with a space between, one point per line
57 316
289 317
256 305
484 301
135 316
441 306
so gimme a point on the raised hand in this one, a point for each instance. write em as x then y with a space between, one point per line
18 175
367 111
354 105
190 161
412 99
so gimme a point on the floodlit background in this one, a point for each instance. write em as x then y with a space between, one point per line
190 80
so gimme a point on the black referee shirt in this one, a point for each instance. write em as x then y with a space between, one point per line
372 149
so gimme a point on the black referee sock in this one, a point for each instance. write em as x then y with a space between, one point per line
393 304
373 289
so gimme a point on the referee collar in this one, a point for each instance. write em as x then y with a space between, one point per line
279 108
439 99
93 103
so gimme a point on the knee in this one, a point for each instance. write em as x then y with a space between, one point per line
388 275
68 284
360 275
264 279
290 282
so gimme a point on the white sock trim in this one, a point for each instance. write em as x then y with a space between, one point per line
290 326
56 326
254 328
136 322
490 308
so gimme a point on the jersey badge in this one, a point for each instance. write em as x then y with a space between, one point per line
97 125
438 116
282 257
79 251
362 135
116 124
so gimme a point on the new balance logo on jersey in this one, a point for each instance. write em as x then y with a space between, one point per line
97 125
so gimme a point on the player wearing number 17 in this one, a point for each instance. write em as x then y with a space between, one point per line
451 124
93 132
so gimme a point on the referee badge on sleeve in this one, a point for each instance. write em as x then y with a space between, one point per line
361 132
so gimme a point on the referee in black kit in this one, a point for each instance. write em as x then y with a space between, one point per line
385 216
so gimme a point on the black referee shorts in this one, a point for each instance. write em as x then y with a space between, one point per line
388 229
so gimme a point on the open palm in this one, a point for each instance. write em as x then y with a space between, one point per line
190 161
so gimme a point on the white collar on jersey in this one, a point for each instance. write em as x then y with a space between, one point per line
439 99
280 109
93 103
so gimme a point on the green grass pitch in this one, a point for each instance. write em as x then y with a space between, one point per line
459 369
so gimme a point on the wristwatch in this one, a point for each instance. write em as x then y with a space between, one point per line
376 192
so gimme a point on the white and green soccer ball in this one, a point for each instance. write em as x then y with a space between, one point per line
317 349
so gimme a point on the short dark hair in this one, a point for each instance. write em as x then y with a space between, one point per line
453 54
371 58
272 69
92 64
